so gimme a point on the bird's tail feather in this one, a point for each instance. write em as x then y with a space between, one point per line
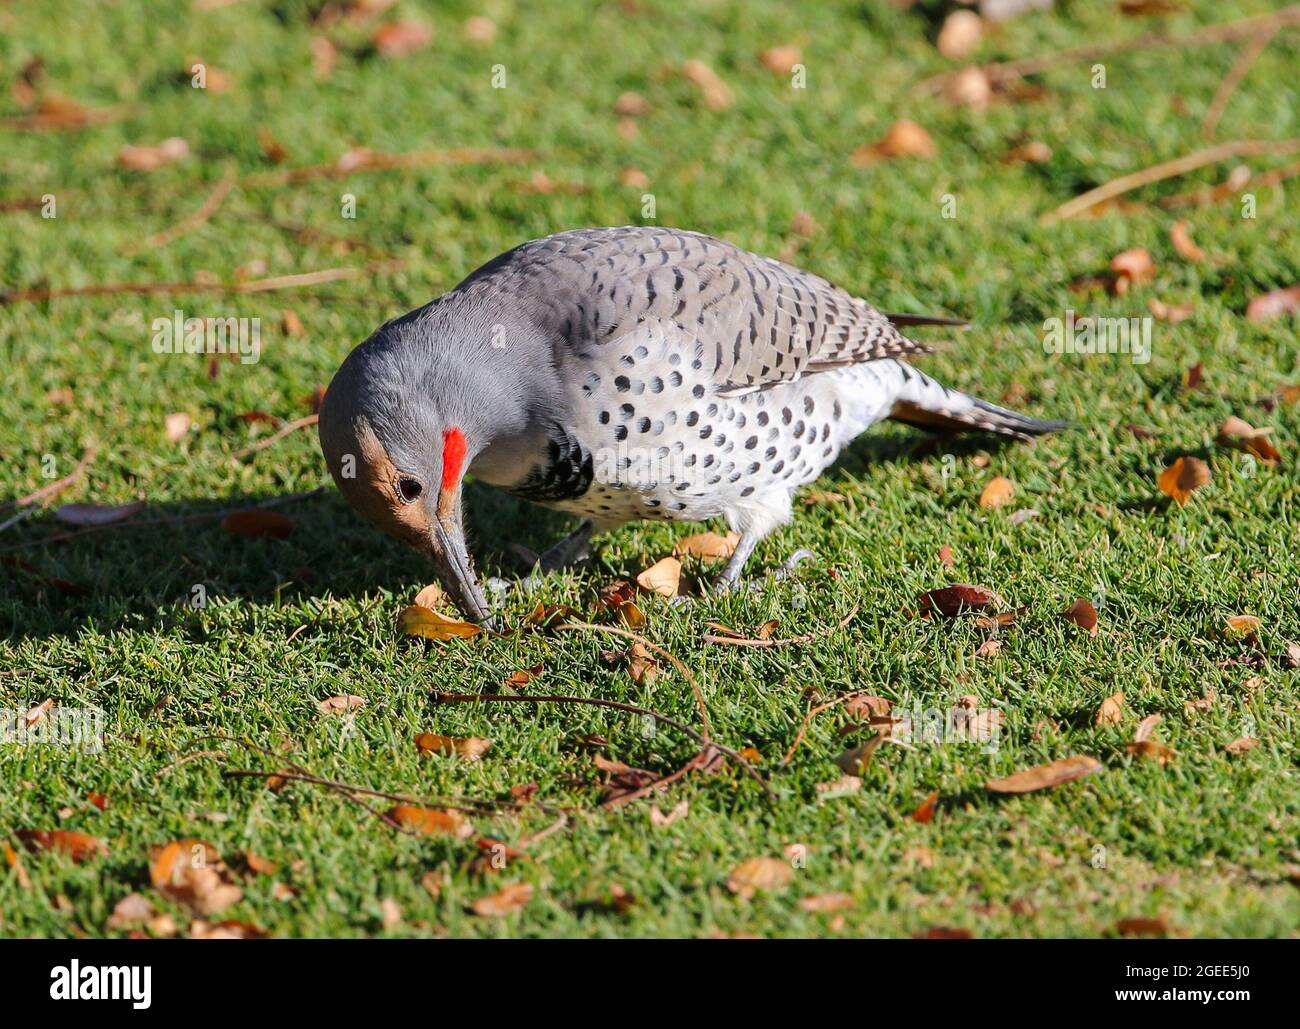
923 402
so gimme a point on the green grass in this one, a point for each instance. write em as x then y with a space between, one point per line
1204 842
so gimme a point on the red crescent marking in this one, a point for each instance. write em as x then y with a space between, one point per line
453 457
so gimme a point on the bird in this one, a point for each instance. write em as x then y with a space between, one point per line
618 374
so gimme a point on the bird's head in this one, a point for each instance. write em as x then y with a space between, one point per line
398 434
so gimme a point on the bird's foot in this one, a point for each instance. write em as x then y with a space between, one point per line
730 580
571 552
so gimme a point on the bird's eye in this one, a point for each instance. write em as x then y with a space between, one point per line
409 490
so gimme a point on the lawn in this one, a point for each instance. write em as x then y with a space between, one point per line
1202 842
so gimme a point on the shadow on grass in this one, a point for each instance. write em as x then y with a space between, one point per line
151 572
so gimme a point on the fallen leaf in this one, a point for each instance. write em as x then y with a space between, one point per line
1194 376
824 902
1240 627
708 546
257 523
999 491
429 821
715 93
622 779
945 556
1182 241
505 901
1152 750
390 913
99 800
227 930
1241 435
960 35
942 932
151 158
431 597
97 514
341 703
1142 927
37 713
131 911
903 139
663 577
1182 477
989 648
1023 515
1034 152
1172 313
432 883
1111 711
79 846
521 677
401 38
661 821
951 601
324 57
1082 614
1042 777
1146 726
924 812
1241 744
1268 306
468 748
854 761
259 865
761 873
780 60
632 105
970 87
421 621
176 426
1132 267
191 872
479 29
641 665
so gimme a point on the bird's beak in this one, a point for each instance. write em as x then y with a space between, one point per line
445 545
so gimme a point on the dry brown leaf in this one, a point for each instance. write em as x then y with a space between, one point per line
421 621
663 577
257 523
1111 711
708 546
989 648
1240 627
1146 726
432 883
151 158
1268 306
641 665
468 748
960 35
924 812
1182 477
1042 777
1172 313
1151 750
176 426
131 911
1132 266
921 857
505 901
1182 241
960 598
340 704
37 712
479 29
715 93
429 821
1241 435
431 597
227 930
826 902
903 139
1033 152
191 872
324 57
259 865
97 514
79 846
1084 615
401 38
942 932
1241 744
761 873
855 760
970 87
661 821
945 556
632 105
998 492
780 60
1142 927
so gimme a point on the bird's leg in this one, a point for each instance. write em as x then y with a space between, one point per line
730 577
571 550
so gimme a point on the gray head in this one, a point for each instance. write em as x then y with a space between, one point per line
404 418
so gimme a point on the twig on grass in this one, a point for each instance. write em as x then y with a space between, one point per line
205 211
740 641
285 430
1228 190
1168 170
617 705
364 161
1245 60
59 485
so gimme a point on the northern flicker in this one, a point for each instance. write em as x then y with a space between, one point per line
618 374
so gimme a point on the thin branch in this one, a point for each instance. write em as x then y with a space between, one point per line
1229 190
739 641
519 698
1168 170
283 431
1223 32
58 486
812 713
637 638
169 288
208 208
363 162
